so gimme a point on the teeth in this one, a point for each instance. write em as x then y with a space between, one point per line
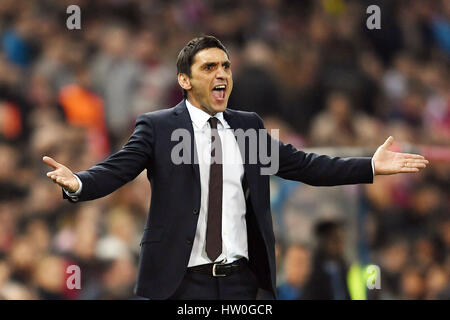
220 87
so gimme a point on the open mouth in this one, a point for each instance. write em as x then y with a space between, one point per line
218 92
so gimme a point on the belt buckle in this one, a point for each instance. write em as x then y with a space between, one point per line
214 270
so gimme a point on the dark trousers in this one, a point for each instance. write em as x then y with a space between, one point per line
241 285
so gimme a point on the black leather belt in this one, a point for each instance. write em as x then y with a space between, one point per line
220 269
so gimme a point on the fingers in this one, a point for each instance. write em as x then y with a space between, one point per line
416 165
412 162
60 181
61 175
56 178
408 156
51 162
409 170
53 175
388 142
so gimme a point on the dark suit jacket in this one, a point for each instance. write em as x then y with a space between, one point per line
175 203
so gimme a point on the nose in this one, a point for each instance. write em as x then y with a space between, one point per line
221 73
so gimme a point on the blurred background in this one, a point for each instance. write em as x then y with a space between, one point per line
310 68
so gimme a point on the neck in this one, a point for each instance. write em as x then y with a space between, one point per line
196 104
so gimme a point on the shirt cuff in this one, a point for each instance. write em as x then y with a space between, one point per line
74 195
373 167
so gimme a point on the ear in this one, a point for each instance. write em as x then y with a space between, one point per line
184 81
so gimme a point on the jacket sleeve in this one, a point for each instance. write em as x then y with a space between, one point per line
120 167
318 170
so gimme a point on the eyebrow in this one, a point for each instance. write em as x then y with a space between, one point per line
226 63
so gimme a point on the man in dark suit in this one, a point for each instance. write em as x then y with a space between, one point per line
209 231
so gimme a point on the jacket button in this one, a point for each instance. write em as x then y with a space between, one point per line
188 241
195 211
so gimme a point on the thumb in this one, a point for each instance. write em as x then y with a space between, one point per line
51 162
388 142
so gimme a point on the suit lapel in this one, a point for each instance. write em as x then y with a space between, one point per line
184 121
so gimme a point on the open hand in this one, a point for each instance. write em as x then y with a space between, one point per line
61 175
389 162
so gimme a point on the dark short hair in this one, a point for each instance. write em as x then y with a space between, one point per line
186 55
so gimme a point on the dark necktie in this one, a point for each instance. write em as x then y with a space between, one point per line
214 222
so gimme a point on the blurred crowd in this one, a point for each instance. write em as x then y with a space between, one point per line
310 68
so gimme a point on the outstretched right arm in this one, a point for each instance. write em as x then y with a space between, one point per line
118 169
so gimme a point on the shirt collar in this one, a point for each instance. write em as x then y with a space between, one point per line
200 117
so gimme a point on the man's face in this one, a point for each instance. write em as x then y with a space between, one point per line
211 80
